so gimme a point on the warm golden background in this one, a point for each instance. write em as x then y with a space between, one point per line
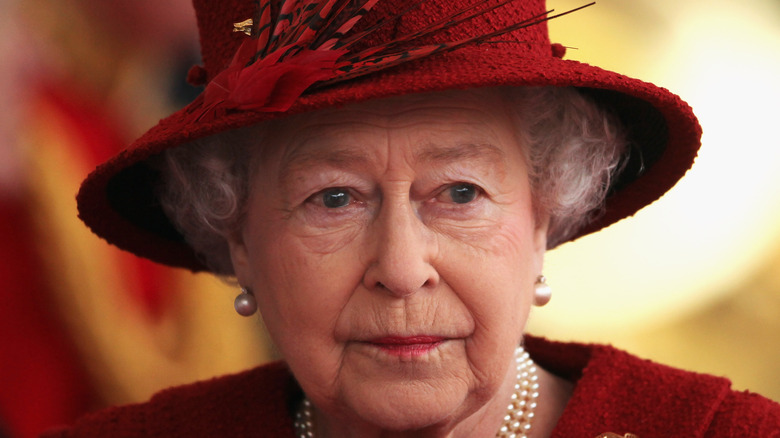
692 281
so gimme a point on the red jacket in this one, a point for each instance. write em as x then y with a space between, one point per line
615 392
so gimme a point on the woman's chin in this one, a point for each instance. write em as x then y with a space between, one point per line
400 390
410 406
404 419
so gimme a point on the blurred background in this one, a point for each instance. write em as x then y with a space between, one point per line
692 281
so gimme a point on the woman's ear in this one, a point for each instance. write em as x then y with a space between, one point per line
542 223
540 235
240 258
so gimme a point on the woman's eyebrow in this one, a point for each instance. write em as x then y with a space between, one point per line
300 161
303 160
484 152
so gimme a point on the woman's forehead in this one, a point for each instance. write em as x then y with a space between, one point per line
446 119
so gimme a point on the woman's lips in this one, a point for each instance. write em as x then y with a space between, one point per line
408 346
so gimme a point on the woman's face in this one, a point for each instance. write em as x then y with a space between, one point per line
393 248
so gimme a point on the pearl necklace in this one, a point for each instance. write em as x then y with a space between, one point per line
517 421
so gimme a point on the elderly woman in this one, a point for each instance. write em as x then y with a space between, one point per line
382 180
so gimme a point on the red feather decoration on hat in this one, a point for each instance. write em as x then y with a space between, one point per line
304 45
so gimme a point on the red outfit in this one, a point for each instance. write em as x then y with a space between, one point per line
615 392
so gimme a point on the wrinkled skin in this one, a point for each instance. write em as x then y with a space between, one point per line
395 218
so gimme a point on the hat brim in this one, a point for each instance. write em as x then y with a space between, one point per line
117 200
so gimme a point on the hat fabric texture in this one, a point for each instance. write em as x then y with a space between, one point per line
117 200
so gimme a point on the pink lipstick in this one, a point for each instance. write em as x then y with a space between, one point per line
409 346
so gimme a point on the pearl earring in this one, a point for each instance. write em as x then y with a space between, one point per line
542 291
245 304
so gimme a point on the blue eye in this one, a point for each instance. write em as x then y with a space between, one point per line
335 198
463 193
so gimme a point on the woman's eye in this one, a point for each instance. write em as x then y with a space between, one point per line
335 198
463 193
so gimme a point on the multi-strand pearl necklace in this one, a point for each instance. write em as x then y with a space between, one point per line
517 421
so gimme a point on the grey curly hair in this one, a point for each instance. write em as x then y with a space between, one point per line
574 150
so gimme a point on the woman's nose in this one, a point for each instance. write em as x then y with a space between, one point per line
402 252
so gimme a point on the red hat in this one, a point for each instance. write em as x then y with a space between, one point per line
295 56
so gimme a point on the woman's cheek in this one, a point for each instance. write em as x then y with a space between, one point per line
480 227
326 232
